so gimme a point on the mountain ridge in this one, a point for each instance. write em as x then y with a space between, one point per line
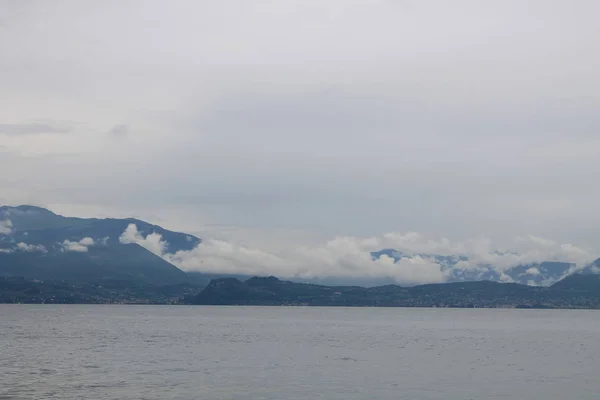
37 243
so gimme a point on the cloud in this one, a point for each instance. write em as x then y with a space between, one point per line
347 256
341 257
87 241
31 129
259 131
152 242
350 256
481 251
24 248
6 227
30 248
120 130
77 247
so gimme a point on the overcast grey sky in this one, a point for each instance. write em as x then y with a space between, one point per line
270 121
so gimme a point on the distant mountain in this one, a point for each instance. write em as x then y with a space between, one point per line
35 225
270 291
37 243
128 262
544 273
585 282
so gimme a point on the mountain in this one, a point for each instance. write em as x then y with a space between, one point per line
35 225
39 244
270 291
129 262
585 282
537 274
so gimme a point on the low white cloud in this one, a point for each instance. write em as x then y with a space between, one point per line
30 248
77 247
341 257
24 248
6 227
87 241
481 251
348 256
152 242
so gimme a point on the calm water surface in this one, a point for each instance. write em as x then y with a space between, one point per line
177 352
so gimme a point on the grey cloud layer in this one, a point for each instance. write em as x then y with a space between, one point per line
344 117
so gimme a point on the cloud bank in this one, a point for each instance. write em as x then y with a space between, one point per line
351 257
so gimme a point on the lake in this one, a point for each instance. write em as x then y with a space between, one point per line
186 352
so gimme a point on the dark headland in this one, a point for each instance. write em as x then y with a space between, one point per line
576 291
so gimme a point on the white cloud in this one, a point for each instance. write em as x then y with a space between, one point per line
351 257
6 227
533 271
341 257
87 241
77 247
481 251
152 242
30 248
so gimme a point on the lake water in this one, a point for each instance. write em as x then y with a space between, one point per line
181 352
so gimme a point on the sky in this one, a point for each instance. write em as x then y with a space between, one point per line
275 124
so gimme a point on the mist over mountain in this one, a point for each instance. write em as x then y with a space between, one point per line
37 243
538 274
